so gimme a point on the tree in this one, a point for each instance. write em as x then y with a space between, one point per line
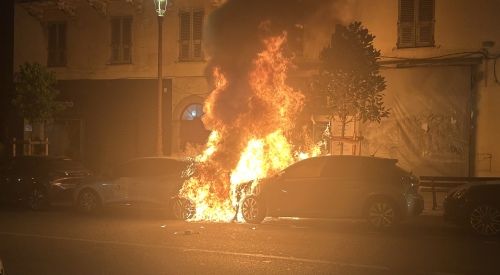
349 82
35 94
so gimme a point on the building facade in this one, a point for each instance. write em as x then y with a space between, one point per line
438 57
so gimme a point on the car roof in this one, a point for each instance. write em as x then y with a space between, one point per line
183 160
163 157
369 158
40 158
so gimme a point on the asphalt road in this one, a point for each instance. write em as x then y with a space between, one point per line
138 241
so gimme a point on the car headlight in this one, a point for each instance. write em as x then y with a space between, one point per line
459 194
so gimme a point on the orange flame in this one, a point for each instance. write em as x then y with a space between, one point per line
257 138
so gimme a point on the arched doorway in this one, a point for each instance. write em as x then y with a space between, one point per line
192 130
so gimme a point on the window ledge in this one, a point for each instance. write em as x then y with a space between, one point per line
191 60
119 63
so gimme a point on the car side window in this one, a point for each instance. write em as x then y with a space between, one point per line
149 168
343 169
127 169
161 167
309 168
23 167
359 169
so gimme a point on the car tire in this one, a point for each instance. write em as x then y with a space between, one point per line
484 220
37 199
381 213
182 209
87 201
253 209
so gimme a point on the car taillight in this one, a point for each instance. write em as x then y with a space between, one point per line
411 182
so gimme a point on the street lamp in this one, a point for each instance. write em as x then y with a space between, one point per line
160 8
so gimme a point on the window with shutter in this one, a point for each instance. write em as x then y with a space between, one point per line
127 39
185 35
425 24
121 40
416 23
56 55
197 34
190 35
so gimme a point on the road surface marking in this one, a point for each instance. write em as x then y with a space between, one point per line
186 249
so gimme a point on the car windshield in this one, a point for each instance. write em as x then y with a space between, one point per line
65 164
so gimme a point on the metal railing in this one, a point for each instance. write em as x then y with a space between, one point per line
443 184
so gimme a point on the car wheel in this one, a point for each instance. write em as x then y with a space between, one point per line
381 214
37 199
183 209
485 220
253 210
88 201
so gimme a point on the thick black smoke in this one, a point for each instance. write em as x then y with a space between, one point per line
234 33
234 37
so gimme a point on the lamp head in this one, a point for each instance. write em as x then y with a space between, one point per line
161 7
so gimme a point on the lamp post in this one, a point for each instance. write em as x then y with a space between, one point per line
160 8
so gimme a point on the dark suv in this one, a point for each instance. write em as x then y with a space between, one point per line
40 180
337 187
475 205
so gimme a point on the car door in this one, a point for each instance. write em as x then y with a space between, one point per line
112 185
126 179
345 188
165 180
296 191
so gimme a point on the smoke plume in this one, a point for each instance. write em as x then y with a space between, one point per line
236 33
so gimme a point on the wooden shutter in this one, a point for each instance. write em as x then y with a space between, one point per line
56 44
115 39
406 24
126 39
184 34
52 45
425 23
61 44
197 34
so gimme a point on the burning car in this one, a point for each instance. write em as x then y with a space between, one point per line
337 187
150 180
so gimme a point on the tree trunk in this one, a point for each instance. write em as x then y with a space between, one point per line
42 129
342 135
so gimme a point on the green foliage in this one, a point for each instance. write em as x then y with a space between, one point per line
349 81
35 93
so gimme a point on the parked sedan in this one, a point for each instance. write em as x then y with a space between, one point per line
40 180
151 180
337 187
476 206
